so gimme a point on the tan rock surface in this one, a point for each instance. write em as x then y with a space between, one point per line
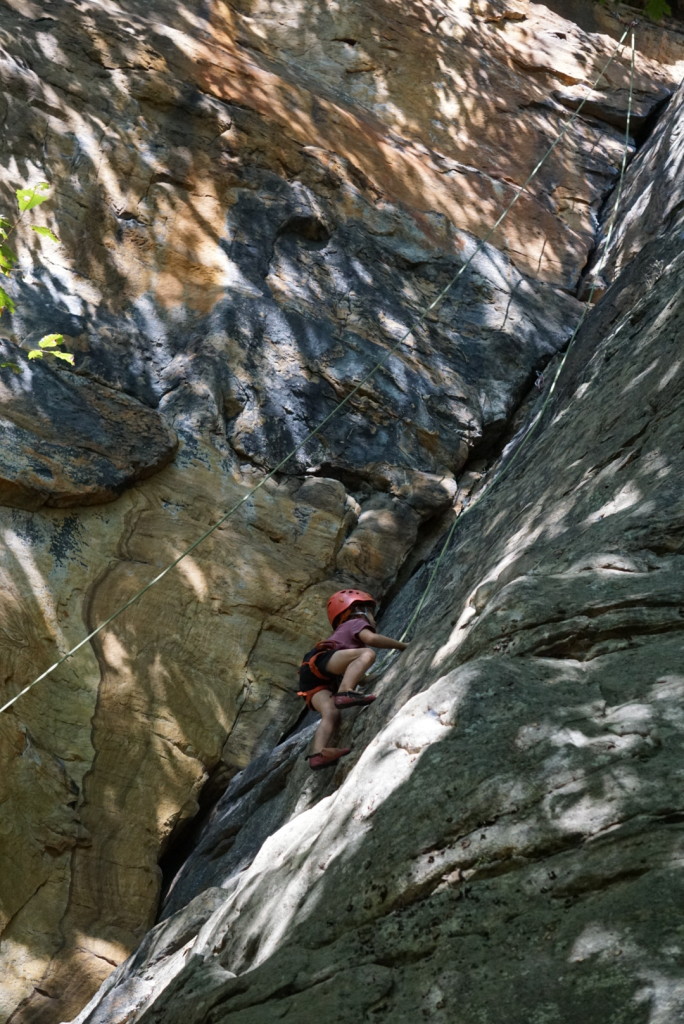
136 727
254 203
506 837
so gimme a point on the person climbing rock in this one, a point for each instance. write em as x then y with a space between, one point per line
331 672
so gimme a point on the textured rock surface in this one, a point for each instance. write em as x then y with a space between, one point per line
255 202
508 831
67 441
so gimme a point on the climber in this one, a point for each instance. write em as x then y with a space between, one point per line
332 670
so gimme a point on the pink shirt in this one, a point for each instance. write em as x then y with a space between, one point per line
346 636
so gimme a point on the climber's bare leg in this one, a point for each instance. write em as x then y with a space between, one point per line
330 719
352 665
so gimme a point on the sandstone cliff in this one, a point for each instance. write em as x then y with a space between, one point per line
255 203
506 843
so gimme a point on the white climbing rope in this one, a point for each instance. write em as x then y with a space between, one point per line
316 430
587 307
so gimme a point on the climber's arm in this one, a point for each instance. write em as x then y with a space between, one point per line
371 639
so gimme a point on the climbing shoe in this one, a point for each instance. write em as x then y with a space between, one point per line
328 759
352 699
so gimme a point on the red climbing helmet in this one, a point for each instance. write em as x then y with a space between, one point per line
343 600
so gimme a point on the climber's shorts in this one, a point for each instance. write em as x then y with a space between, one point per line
309 682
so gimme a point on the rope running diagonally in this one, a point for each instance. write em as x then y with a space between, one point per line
345 401
585 312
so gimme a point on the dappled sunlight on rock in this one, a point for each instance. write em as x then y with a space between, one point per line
626 498
255 202
115 654
38 584
195 577
597 940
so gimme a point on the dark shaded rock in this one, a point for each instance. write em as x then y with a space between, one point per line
69 441
252 808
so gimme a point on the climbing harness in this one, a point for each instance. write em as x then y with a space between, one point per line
355 390
311 657
309 695
328 680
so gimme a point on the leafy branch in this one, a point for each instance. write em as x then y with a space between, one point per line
27 199
47 347
655 10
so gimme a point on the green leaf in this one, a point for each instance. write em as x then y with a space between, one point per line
46 232
66 356
47 348
12 366
6 302
50 340
7 259
4 224
28 198
657 9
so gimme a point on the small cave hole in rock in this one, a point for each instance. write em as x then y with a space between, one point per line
305 230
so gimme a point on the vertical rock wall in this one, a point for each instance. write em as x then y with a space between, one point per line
506 836
254 204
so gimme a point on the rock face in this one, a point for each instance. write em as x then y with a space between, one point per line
67 441
508 830
256 205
